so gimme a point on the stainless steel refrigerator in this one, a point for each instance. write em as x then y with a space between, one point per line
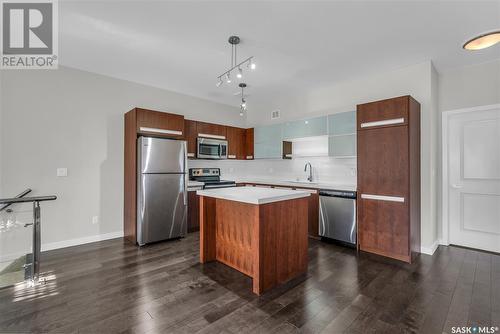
162 189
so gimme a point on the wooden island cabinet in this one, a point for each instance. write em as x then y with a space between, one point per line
261 232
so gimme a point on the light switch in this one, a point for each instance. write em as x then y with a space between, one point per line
61 172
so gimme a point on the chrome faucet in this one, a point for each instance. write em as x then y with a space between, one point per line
310 177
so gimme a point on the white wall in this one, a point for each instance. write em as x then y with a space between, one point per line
74 119
1 132
417 80
465 87
435 161
470 86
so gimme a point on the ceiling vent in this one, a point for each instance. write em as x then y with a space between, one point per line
275 114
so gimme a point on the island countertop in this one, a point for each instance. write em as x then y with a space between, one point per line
253 195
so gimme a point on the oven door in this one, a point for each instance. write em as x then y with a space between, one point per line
211 148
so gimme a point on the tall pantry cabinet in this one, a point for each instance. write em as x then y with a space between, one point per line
388 146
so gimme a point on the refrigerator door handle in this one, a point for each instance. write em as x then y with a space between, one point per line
185 195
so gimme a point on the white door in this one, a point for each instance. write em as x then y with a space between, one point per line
474 179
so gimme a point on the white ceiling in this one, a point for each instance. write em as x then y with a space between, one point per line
182 46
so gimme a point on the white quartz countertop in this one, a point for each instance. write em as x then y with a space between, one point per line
253 195
304 184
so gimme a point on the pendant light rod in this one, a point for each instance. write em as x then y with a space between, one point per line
248 60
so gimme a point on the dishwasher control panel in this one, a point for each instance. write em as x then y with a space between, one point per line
338 193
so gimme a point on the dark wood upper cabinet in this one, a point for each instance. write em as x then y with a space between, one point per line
249 153
210 129
191 133
388 143
160 124
236 143
390 112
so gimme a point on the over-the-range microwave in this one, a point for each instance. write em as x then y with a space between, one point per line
208 148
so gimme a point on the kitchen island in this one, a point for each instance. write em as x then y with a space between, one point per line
261 232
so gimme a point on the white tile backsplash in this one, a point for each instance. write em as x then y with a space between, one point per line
325 169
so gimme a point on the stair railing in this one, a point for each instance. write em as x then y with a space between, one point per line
6 202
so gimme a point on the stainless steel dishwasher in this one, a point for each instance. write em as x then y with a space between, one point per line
337 215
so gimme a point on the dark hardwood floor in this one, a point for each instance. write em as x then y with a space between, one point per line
115 287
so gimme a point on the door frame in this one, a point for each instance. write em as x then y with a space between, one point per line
445 223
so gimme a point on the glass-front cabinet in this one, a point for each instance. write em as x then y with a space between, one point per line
268 141
343 123
342 134
337 132
310 127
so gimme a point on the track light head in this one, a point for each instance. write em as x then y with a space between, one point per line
228 78
251 65
240 73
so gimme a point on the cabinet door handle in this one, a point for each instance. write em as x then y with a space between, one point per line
231 156
383 198
206 135
169 132
457 186
384 122
249 157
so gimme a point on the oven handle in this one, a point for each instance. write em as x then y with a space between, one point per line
219 186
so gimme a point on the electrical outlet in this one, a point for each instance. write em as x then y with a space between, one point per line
95 220
62 172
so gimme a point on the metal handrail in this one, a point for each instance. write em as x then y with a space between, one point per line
27 199
24 193
35 265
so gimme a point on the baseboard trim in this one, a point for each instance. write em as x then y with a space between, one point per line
63 244
430 250
81 241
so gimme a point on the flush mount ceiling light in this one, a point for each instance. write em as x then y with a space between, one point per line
243 104
235 66
482 41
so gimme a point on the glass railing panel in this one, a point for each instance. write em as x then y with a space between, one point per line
16 238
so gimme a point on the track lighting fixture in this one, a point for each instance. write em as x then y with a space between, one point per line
235 66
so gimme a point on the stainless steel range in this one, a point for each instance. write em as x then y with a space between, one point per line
210 177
